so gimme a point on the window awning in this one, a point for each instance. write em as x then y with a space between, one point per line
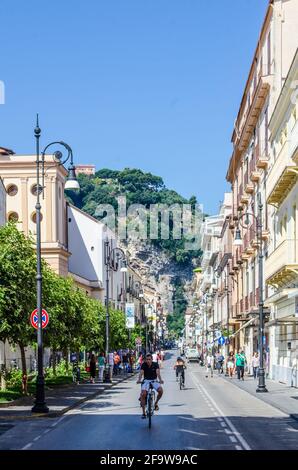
243 326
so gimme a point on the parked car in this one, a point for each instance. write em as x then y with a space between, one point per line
192 355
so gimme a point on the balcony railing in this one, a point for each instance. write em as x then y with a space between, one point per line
282 177
281 264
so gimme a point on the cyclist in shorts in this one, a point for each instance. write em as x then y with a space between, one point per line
179 367
150 372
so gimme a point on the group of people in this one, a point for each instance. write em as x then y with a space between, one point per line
234 363
114 363
157 356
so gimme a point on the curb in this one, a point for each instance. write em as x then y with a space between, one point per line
260 397
56 414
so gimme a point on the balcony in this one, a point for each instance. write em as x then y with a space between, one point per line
252 114
255 173
248 185
282 177
247 248
207 280
281 267
206 259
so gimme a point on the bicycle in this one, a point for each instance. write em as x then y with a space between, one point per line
150 404
181 381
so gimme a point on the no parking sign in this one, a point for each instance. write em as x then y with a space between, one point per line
44 318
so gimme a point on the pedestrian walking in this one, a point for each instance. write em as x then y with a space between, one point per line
209 365
117 361
240 364
125 361
219 362
92 366
231 364
101 366
255 362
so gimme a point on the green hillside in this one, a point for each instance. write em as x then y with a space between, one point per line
139 188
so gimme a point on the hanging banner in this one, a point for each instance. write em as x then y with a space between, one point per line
130 315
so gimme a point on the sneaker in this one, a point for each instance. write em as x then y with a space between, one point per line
156 407
143 416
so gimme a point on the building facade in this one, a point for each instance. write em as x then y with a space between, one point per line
19 178
281 264
249 164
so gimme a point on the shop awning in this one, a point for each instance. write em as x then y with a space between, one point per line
243 326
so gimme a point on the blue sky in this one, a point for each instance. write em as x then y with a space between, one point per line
152 84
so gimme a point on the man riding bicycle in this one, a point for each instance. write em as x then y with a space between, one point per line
149 373
179 367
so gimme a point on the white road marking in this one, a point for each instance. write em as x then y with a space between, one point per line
233 439
238 448
36 438
59 420
27 446
228 422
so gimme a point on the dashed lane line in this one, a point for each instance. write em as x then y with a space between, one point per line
27 446
236 433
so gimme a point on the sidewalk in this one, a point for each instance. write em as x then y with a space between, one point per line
279 395
59 400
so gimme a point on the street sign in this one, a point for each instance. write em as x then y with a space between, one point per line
221 341
44 318
138 340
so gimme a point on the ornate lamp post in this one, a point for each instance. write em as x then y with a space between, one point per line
71 183
239 242
112 256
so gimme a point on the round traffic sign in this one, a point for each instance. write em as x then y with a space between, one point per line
44 318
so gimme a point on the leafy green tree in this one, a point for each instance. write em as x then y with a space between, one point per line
17 287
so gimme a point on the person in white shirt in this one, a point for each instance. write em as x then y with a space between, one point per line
209 365
154 356
255 362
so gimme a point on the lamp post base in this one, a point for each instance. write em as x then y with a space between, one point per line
40 408
107 378
261 389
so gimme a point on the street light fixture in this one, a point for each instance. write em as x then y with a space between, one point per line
71 183
238 242
112 256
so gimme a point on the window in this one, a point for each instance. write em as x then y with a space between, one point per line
34 189
13 217
33 217
12 190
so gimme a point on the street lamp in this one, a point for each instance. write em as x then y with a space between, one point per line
111 261
239 242
219 273
71 183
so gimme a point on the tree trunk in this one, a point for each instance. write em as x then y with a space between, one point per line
23 357
3 371
24 369
65 354
54 362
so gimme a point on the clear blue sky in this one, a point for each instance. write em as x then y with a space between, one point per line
153 84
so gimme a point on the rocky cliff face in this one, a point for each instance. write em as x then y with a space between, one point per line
157 270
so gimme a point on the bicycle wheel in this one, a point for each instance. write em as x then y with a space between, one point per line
149 409
181 382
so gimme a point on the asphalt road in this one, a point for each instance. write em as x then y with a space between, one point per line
210 413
